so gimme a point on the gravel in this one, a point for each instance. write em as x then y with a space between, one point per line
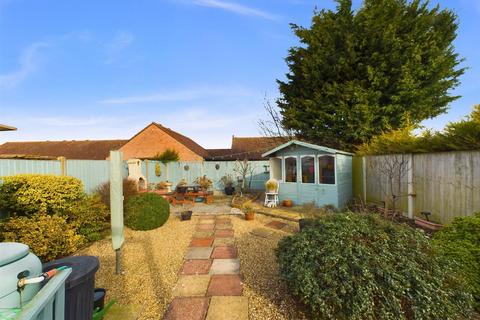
268 295
150 262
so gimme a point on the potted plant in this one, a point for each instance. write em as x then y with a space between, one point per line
247 208
227 182
186 215
271 185
204 182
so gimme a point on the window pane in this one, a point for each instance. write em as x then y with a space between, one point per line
308 170
291 169
276 169
326 166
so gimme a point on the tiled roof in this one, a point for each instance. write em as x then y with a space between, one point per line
250 148
85 149
186 141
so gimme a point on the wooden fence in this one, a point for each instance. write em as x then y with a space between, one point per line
447 184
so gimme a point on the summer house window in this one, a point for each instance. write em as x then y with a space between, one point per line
308 169
326 168
290 169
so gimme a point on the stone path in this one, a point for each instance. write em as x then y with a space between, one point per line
210 284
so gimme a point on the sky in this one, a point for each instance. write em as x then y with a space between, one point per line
89 69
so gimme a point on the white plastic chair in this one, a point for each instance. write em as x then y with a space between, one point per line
271 196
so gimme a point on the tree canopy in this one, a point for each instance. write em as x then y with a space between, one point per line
359 73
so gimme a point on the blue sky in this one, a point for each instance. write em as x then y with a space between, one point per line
105 69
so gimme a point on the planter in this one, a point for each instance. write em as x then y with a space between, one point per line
249 215
429 225
287 203
229 191
186 215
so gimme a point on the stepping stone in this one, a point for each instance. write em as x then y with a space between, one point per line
224 220
198 253
203 234
228 308
224 233
201 242
196 267
206 216
276 225
190 286
220 242
203 227
206 221
236 211
223 226
261 232
187 309
225 285
225 266
227 252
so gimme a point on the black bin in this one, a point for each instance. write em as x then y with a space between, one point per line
79 286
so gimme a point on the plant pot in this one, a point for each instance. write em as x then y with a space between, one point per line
249 215
429 225
229 191
287 203
99 298
186 215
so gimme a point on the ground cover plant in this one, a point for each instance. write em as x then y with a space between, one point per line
460 241
356 266
146 211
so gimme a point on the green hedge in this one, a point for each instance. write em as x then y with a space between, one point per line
354 266
146 211
460 241
27 194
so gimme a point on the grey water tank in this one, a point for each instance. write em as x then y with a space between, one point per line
16 261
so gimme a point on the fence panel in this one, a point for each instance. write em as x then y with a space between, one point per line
91 172
10 167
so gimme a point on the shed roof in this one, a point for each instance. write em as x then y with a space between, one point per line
6 128
306 145
250 148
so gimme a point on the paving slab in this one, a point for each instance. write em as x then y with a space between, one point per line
276 225
203 234
206 217
190 286
203 227
223 242
223 226
224 252
196 267
224 233
225 266
198 253
206 221
224 220
261 232
228 308
225 285
191 308
201 242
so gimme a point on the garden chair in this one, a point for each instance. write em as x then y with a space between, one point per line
271 196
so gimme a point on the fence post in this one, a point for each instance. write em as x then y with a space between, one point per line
411 189
63 165
364 178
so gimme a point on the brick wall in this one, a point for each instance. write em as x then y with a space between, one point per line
153 140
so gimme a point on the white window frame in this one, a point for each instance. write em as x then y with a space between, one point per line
315 165
334 169
284 172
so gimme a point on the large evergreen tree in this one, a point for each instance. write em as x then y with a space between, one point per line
358 73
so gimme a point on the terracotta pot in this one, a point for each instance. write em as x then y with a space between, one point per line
428 224
249 215
287 203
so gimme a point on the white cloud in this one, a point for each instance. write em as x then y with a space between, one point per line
235 8
120 41
28 63
181 95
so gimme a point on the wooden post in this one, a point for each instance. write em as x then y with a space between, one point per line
63 165
364 179
411 189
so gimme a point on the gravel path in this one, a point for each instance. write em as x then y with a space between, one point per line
150 261
268 297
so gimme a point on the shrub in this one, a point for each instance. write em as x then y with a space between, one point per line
353 266
90 218
48 236
146 211
169 155
460 241
129 189
27 194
